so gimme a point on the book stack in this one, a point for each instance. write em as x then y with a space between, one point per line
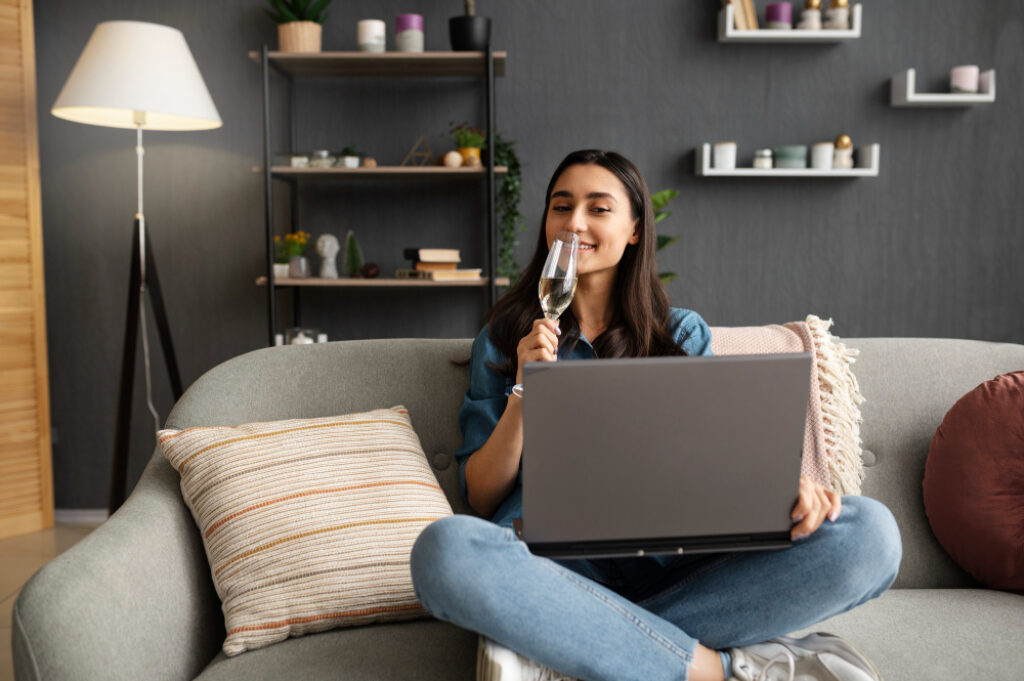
437 264
744 14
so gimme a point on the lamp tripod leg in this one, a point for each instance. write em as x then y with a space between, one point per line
160 317
119 470
122 440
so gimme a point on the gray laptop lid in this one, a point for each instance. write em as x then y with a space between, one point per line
634 450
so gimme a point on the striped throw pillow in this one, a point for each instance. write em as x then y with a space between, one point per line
308 523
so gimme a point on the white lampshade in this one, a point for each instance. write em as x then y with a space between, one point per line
134 66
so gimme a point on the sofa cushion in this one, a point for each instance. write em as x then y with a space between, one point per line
426 650
910 384
308 523
974 482
916 634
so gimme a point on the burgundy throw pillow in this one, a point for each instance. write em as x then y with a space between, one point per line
974 482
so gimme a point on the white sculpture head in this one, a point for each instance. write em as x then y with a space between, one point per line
327 246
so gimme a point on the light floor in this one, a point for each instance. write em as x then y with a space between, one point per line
20 558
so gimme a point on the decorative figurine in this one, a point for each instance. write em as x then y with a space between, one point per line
420 154
353 256
327 247
810 18
844 153
452 159
369 162
838 15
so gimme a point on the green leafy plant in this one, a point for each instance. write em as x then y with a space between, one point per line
350 150
286 11
507 204
292 244
660 200
353 255
466 136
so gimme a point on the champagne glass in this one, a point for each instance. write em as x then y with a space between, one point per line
558 278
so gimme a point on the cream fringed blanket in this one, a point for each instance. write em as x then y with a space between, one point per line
832 446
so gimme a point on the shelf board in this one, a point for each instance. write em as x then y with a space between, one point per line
728 33
398 64
385 172
902 92
381 282
868 159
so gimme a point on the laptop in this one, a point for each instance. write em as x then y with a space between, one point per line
664 455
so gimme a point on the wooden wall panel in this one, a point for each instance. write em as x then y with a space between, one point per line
26 479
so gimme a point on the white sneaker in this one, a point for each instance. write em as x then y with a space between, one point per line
495 662
816 657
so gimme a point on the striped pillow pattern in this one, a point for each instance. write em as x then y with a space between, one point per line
308 523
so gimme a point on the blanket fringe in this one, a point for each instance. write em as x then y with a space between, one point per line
840 400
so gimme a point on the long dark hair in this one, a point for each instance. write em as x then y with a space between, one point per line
640 314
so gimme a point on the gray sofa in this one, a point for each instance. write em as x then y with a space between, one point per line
134 600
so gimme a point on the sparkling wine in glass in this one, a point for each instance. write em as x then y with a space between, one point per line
558 278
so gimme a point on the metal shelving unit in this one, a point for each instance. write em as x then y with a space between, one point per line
484 65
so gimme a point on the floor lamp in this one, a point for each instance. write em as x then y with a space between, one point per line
138 75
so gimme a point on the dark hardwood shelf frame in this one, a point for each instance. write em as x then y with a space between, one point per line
486 65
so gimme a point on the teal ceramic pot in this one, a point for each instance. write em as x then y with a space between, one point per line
790 156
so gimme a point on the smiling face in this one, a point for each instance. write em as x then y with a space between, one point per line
592 202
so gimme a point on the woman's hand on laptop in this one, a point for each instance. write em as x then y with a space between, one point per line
814 504
540 345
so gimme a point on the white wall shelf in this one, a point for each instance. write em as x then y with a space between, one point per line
867 166
903 94
728 33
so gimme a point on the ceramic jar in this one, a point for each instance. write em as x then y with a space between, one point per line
409 32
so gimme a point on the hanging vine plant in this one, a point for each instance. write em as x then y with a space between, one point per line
507 204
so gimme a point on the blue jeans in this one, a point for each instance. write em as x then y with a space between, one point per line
631 618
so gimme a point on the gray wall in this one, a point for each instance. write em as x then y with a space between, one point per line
927 249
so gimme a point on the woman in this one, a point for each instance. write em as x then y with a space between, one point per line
699 618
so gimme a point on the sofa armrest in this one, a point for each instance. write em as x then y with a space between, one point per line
132 600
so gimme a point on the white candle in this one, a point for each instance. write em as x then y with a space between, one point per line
821 155
371 35
725 155
965 78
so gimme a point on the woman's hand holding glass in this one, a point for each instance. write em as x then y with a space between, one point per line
540 345
555 289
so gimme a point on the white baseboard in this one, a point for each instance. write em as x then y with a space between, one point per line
80 516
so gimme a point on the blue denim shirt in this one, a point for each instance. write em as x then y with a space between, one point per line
489 390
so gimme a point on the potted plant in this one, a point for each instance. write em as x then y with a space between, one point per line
291 250
299 24
350 157
660 200
510 220
470 33
468 142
